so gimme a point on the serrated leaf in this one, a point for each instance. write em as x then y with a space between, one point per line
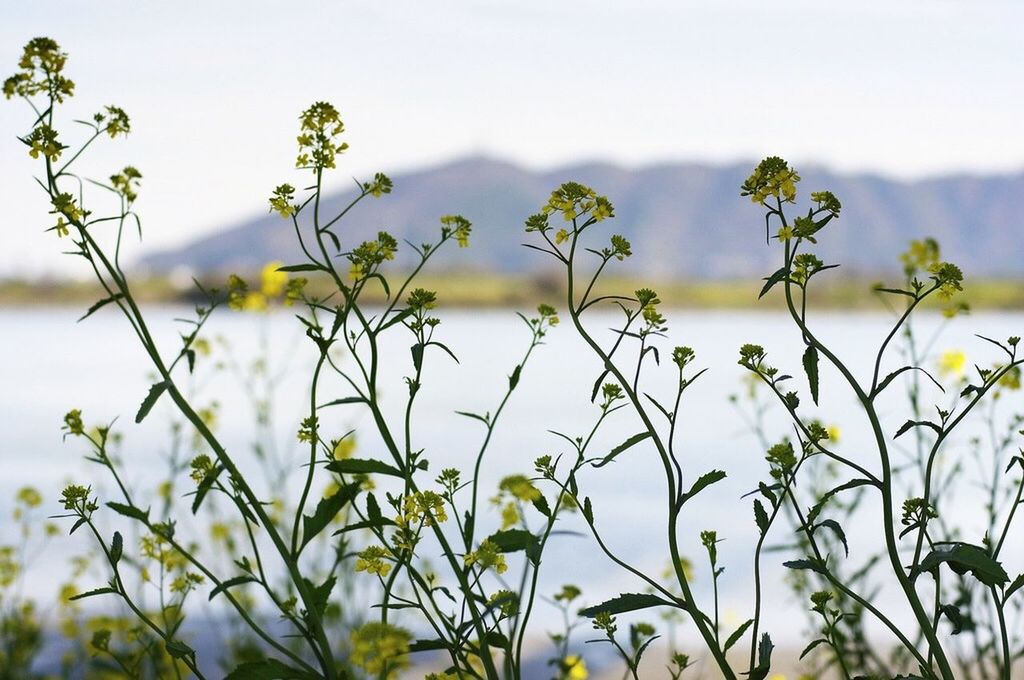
94 592
837 530
514 540
809 563
760 516
627 602
811 368
629 443
963 558
150 401
358 466
703 482
326 510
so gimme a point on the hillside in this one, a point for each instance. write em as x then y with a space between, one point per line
685 220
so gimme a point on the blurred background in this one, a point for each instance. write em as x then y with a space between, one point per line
908 111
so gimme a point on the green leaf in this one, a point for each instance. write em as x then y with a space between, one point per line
344 400
101 304
147 404
917 423
811 368
837 530
846 486
588 510
955 617
178 650
542 506
775 278
1017 584
808 648
300 268
129 511
322 593
514 540
428 645
91 593
627 602
417 356
326 510
737 634
764 659
703 482
357 466
116 548
267 669
513 379
809 563
760 516
230 583
963 558
632 441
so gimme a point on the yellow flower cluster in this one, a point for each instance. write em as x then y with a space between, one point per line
771 178
318 140
380 649
422 506
41 64
274 285
487 556
374 560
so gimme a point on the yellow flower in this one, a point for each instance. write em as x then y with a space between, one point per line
254 302
273 281
380 648
561 236
574 668
952 362
833 433
29 497
344 448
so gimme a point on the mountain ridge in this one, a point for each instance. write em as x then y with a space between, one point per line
685 220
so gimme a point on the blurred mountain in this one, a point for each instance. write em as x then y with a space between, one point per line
685 220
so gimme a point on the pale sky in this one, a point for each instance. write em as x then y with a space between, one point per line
906 88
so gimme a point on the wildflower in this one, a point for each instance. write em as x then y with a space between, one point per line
43 141
458 226
827 202
621 248
422 506
380 185
343 448
520 487
785 233
506 601
41 64
568 593
561 236
487 556
948 277
73 422
272 279
573 667
237 289
186 582
380 648
771 178
321 127
307 431
833 432
114 121
29 497
952 363
202 466
373 560
281 200
920 255
782 455
126 183
681 356
421 298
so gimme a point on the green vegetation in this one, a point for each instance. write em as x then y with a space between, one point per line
452 569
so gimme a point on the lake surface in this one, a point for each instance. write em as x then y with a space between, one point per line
50 364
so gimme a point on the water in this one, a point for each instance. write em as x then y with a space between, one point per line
50 365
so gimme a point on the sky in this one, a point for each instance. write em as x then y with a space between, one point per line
904 88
